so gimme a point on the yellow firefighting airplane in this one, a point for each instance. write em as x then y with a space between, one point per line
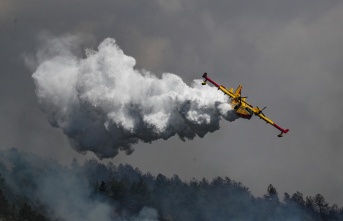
242 107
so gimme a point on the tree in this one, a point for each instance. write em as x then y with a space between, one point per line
25 212
298 198
286 198
175 181
140 195
140 189
3 204
272 194
334 210
161 180
103 187
320 205
118 190
218 182
194 184
309 203
204 184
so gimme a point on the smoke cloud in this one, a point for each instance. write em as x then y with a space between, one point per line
103 104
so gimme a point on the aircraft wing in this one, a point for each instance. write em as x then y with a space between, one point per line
258 112
230 92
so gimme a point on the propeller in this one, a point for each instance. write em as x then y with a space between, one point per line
260 112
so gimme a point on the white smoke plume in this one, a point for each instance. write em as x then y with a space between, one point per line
103 104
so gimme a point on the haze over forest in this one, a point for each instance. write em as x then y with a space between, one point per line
36 188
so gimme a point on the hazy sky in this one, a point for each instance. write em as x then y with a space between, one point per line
287 54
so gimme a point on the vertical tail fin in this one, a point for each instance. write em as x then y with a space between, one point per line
239 90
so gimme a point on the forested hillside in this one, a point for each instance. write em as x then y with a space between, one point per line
36 188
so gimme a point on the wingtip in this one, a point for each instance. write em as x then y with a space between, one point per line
283 132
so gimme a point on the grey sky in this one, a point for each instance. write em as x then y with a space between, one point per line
287 54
